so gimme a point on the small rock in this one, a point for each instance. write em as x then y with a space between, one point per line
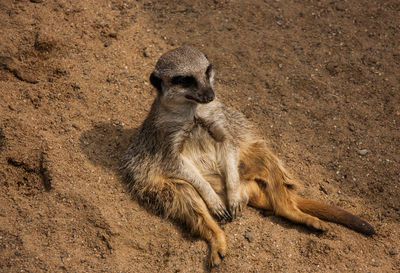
249 235
146 53
75 126
322 188
332 68
362 152
393 251
340 7
36 1
75 86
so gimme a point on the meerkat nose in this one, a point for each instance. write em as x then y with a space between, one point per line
208 95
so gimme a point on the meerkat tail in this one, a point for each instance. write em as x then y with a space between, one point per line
335 215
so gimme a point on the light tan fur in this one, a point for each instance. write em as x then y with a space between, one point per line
193 159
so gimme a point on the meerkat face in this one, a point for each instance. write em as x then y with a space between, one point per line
184 75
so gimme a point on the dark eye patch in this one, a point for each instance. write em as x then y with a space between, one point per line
183 80
208 71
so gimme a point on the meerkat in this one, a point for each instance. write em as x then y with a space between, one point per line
196 161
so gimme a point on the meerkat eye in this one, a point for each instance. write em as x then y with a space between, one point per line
208 71
183 80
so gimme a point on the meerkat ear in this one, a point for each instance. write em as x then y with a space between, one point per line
155 81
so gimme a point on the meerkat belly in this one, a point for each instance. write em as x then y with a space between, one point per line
202 150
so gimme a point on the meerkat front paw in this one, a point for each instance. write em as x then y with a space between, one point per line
221 212
235 204
218 209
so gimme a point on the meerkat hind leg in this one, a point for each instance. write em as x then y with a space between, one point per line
189 208
280 203
269 187
291 212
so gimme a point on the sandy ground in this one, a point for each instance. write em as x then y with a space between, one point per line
321 79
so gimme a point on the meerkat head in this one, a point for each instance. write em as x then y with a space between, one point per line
183 75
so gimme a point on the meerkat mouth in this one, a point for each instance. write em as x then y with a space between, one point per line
202 100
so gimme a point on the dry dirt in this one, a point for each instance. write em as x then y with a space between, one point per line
321 79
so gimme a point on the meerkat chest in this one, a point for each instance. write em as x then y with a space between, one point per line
201 148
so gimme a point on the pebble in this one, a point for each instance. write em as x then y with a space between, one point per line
249 235
362 152
146 53
323 189
340 7
393 251
332 68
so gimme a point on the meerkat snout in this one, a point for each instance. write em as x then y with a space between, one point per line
202 96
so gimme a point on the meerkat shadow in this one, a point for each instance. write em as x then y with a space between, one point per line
105 144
